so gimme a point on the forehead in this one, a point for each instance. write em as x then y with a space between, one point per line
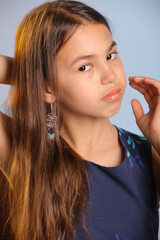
87 39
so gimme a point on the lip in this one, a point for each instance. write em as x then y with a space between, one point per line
112 95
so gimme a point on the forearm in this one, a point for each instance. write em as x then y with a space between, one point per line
5 69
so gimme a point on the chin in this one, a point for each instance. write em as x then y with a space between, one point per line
113 111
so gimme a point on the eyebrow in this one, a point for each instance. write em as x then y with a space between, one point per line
82 57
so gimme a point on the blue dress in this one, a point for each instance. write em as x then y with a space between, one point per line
123 202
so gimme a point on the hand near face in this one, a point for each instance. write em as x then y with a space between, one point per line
148 123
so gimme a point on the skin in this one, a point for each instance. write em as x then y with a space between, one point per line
83 109
81 92
5 69
4 141
86 127
149 123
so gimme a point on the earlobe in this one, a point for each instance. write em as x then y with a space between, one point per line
48 95
49 98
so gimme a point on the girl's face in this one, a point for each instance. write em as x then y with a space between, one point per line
91 78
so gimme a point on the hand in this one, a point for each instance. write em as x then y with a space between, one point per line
6 64
148 123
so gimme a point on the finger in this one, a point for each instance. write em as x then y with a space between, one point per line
148 93
149 82
152 91
139 78
143 91
143 77
154 84
149 98
137 109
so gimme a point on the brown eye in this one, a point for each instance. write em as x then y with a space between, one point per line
84 68
111 56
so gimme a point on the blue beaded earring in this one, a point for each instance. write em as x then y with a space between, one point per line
51 123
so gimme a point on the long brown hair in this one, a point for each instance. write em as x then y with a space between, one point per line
49 180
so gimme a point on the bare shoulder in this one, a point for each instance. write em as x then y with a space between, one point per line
4 137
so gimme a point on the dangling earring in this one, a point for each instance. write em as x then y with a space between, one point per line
51 122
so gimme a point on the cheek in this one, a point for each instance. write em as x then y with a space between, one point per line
76 94
121 74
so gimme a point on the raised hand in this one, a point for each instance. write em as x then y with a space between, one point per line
6 64
148 123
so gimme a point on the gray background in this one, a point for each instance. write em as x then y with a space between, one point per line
135 26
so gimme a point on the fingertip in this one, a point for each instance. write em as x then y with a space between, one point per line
134 100
131 78
139 77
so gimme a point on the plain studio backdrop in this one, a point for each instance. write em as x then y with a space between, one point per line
135 26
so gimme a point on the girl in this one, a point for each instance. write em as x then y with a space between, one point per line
66 171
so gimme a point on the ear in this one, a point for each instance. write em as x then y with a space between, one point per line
48 95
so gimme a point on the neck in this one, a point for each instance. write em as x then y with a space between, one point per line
86 136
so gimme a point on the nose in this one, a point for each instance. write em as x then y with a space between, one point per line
108 74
